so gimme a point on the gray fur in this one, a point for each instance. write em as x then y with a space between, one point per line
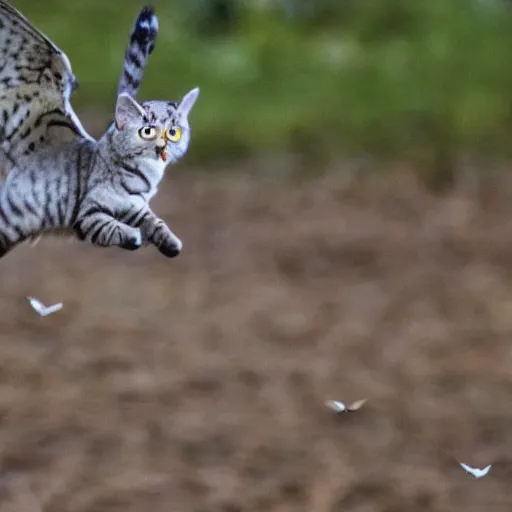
57 177
141 44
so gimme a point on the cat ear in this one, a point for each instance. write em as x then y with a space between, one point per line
187 102
127 109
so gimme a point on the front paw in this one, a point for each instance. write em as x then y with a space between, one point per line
157 233
170 247
132 241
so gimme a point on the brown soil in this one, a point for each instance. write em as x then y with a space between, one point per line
198 384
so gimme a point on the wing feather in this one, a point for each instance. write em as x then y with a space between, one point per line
36 83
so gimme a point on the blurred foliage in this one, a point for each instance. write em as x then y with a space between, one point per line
405 79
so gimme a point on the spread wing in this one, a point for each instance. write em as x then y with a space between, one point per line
36 83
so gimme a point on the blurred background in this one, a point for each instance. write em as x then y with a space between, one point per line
345 209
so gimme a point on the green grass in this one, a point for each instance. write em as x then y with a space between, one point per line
396 78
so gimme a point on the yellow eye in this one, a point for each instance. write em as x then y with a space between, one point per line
174 134
148 133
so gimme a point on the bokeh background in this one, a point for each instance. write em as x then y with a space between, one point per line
346 213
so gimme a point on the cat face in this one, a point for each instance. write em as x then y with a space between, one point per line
154 130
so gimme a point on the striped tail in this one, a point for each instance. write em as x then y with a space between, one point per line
140 46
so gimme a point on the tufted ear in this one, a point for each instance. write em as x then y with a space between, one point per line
127 109
187 102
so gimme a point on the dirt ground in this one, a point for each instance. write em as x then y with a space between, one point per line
198 384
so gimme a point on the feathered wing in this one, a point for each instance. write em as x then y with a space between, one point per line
36 83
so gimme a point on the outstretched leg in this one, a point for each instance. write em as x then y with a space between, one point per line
104 231
16 225
8 242
155 231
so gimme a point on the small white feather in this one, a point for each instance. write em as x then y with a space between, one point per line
338 406
354 406
476 472
43 310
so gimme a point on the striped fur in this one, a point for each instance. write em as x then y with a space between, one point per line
141 44
57 177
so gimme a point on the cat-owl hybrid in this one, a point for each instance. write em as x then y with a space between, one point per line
53 175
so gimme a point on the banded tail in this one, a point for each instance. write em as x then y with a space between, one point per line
141 44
